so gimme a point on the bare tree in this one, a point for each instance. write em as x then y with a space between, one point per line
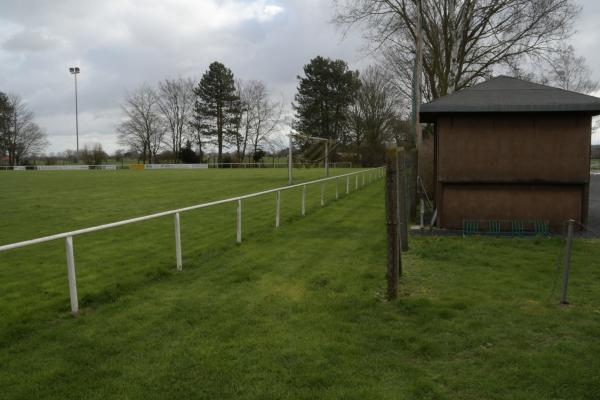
568 71
260 117
463 41
23 138
93 155
176 104
375 114
143 129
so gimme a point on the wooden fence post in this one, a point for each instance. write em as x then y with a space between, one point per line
568 249
401 198
394 253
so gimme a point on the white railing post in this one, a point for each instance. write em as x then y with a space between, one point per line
356 182
71 275
363 176
239 221
277 207
303 200
337 188
322 194
178 242
347 184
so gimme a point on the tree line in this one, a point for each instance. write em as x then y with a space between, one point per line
179 115
463 43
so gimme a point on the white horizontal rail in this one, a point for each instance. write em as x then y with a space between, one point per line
266 164
172 212
175 166
82 167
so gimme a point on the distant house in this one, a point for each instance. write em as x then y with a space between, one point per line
507 149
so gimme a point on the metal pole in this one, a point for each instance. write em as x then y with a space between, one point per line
347 185
569 247
363 176
327 158
322 194
71 275
303 200
76 116
277 208
290 162
178 242
356 183
239 221
422 213
337 188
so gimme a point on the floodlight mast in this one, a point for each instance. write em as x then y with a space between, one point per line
74 71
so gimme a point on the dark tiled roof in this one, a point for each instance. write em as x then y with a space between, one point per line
506 94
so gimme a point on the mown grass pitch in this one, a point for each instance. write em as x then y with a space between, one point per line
293 313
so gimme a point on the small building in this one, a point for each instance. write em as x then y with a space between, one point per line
507 149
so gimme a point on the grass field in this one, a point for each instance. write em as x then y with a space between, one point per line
296 313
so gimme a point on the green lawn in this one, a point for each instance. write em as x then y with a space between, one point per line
296 313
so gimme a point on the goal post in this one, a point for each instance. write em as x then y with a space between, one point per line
307 138
290 161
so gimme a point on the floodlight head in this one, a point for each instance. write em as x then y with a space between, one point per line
71 70
74 70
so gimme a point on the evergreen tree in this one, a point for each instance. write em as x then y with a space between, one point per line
187 154
217 108
324 97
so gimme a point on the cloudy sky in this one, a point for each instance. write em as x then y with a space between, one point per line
119 44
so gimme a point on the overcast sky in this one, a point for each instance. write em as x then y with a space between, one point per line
118 44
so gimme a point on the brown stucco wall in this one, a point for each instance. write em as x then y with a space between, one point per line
556 203
542 147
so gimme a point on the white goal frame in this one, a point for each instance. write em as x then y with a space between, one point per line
291 155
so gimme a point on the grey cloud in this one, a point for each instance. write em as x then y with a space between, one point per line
118 49
30 40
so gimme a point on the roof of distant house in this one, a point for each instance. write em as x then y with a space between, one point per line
507 94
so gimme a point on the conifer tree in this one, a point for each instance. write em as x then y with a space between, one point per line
324 97
216 111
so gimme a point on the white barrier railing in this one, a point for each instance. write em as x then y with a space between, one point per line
75 167
81 167
175 166
111 167
70 167
342 164
370 174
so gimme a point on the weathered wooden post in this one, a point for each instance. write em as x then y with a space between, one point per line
569 247
394 253
401 199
